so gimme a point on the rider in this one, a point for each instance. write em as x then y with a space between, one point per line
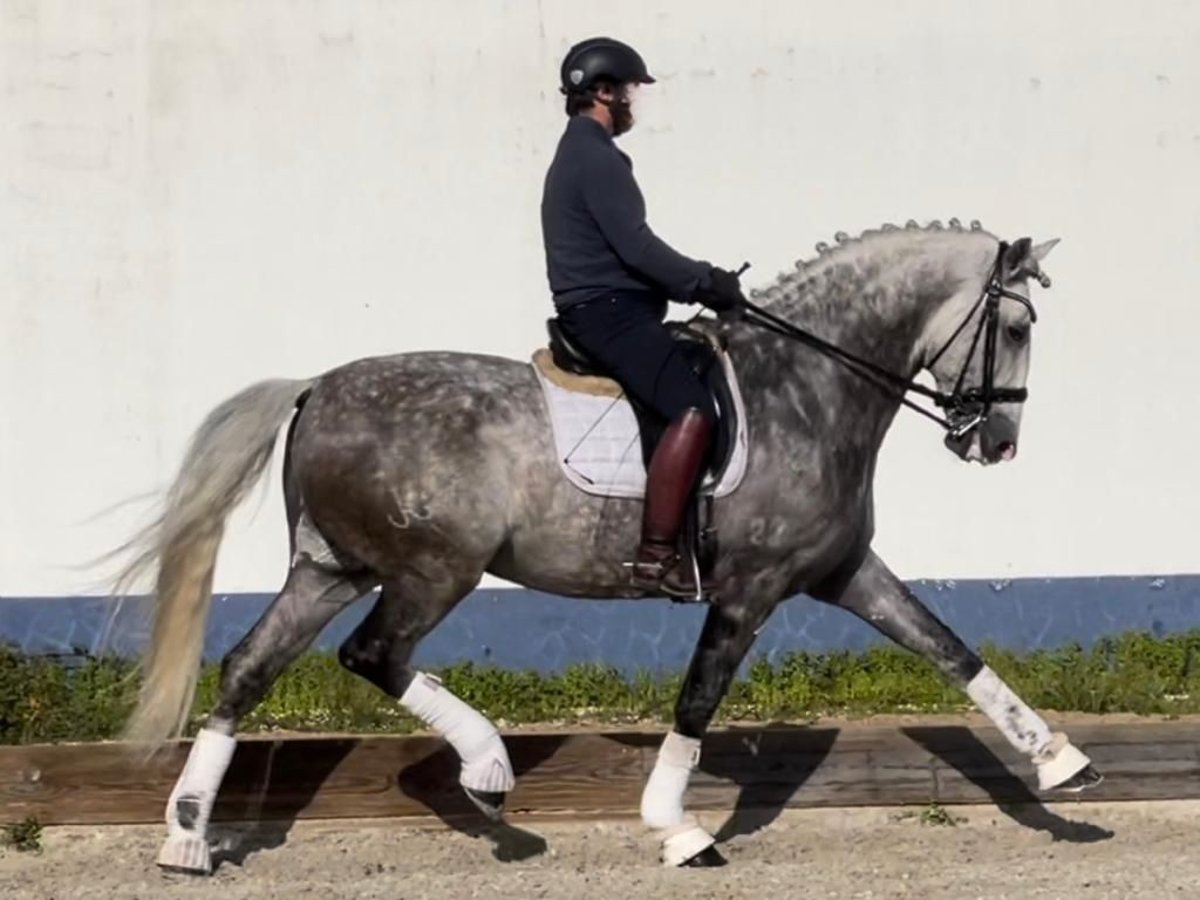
611 277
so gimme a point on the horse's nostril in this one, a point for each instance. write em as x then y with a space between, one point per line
1007 450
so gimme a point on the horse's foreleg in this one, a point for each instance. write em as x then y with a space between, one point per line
727 635
309 599
876 595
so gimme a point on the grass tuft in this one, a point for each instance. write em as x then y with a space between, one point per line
24 836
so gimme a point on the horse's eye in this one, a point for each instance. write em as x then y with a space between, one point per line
1018 334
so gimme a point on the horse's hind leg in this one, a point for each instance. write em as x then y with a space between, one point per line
310 598
379 650
880 598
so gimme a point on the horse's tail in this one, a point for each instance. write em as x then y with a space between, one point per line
228 454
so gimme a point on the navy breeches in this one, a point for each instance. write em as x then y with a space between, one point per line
625 334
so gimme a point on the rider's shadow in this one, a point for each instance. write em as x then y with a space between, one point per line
433 782
962 751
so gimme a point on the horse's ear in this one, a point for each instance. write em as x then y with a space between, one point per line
1016 256
1039 252
1022 258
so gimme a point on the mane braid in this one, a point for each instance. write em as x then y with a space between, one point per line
787 282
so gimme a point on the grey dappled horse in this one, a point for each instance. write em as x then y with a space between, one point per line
419 472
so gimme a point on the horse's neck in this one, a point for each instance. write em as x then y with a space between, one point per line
874 301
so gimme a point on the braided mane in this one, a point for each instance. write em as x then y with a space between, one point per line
786 282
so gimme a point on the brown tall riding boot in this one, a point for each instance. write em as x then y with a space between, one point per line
674 468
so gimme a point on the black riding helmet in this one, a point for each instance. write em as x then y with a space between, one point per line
601 59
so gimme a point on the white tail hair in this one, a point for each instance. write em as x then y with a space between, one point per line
228 454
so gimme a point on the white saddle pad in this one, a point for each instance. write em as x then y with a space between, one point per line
599 449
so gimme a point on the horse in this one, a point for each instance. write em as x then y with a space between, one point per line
417 473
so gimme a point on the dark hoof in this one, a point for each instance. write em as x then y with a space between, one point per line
1085 779
708 858
490 803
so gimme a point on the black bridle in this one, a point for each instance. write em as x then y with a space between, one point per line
966 408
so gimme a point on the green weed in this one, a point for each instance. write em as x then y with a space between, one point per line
46 700
24 837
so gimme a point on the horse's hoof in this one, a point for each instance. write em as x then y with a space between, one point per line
708 858
690 845
1083 780
490 803
189 855
1062 764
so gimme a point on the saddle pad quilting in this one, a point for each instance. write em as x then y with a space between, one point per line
598 448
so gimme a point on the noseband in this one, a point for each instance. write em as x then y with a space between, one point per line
966 408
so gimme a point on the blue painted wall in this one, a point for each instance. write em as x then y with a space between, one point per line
525 629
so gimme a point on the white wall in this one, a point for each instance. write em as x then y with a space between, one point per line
196 196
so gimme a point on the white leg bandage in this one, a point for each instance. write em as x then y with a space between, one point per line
192 799
1023 728
662 800
485 763
1057 759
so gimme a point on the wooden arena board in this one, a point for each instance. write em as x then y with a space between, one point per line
596 774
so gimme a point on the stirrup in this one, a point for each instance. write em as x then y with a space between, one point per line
671 576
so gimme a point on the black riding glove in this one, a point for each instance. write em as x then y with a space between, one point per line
720 291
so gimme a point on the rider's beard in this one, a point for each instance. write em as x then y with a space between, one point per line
620 109
622 115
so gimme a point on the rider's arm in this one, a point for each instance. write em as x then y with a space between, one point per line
616 203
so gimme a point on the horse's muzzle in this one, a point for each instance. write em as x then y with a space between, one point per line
986 440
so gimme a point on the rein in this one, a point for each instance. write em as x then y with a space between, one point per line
966 408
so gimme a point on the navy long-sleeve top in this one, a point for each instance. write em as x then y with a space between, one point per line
594 225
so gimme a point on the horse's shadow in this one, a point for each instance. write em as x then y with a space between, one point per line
269 785
961 750
769 766
433 782
782 762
